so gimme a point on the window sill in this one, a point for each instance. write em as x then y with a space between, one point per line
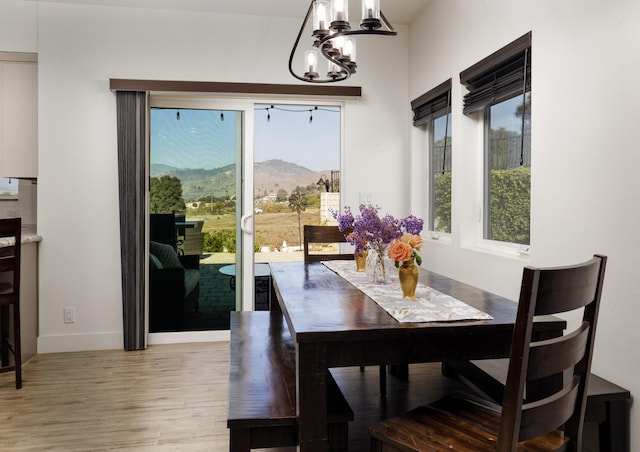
509 250
442 237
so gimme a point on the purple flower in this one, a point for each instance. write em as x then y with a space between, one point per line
413 225
369 230
345 221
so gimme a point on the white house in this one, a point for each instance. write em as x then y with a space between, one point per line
585 65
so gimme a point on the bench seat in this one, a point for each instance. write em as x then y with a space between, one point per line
262 387
607 403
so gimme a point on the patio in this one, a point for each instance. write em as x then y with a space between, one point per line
217 298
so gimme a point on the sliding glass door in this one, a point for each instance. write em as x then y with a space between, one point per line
200 221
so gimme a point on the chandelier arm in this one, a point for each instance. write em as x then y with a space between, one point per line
345 73
387 24
295 46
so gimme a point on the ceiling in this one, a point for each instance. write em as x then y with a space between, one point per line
398 12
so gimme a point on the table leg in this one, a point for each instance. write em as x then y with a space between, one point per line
614 433
311 387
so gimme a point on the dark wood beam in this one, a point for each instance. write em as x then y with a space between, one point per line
116 84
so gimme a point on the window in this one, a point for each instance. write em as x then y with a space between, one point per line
440 174
433 109
8 188
500 87
508 170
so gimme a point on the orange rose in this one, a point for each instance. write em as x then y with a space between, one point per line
414 240
399 251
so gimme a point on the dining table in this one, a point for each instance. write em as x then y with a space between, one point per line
335 324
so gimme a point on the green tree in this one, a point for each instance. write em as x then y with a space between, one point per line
298 203
166 195
282 195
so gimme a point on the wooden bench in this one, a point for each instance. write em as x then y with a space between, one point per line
262 387
607 403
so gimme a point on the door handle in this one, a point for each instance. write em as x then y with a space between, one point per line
243 224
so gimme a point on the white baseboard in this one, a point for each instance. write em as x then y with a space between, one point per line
188 336
58 343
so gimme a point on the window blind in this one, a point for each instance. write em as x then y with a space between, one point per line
499 76
431 103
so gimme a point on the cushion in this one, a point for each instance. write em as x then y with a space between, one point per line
191 280
166 255
154 262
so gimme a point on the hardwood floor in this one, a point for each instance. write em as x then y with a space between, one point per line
166 398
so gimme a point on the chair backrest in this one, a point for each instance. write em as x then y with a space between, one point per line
323 235
10 260
561 364
162 228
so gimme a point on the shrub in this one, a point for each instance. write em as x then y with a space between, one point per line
510 205
442 196
220 241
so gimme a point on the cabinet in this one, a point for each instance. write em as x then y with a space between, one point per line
18 115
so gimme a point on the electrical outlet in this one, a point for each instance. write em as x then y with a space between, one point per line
69 315
12 213
365 198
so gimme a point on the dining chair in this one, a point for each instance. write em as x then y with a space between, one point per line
323 235
10 228
552 417
331 234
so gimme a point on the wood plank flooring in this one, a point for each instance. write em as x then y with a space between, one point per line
166 398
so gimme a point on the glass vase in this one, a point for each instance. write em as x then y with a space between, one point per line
408 275
379 267
361 260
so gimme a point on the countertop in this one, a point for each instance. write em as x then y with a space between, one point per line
29 235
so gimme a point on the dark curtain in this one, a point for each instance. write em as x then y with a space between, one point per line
131 118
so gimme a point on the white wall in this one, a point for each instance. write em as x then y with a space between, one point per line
585 188
80 48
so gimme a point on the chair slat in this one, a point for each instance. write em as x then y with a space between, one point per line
542 416
553 356
323 234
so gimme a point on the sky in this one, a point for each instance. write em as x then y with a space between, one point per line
200 139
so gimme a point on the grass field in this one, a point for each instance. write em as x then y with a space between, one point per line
270 229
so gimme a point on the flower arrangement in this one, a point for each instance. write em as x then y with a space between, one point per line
368 230
397 239
404 249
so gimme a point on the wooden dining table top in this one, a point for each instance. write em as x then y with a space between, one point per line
320 305
334 324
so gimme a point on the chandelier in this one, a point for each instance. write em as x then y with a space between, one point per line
335 40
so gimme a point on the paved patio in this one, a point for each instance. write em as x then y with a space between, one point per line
217 298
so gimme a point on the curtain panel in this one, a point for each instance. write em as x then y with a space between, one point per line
131 107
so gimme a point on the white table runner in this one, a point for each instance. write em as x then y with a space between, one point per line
429 305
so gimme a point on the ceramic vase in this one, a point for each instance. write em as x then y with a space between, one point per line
408 275
361 260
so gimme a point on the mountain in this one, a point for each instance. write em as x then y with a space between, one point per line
269 176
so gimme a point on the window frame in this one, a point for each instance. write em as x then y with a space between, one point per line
499 77
432 169
426 108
